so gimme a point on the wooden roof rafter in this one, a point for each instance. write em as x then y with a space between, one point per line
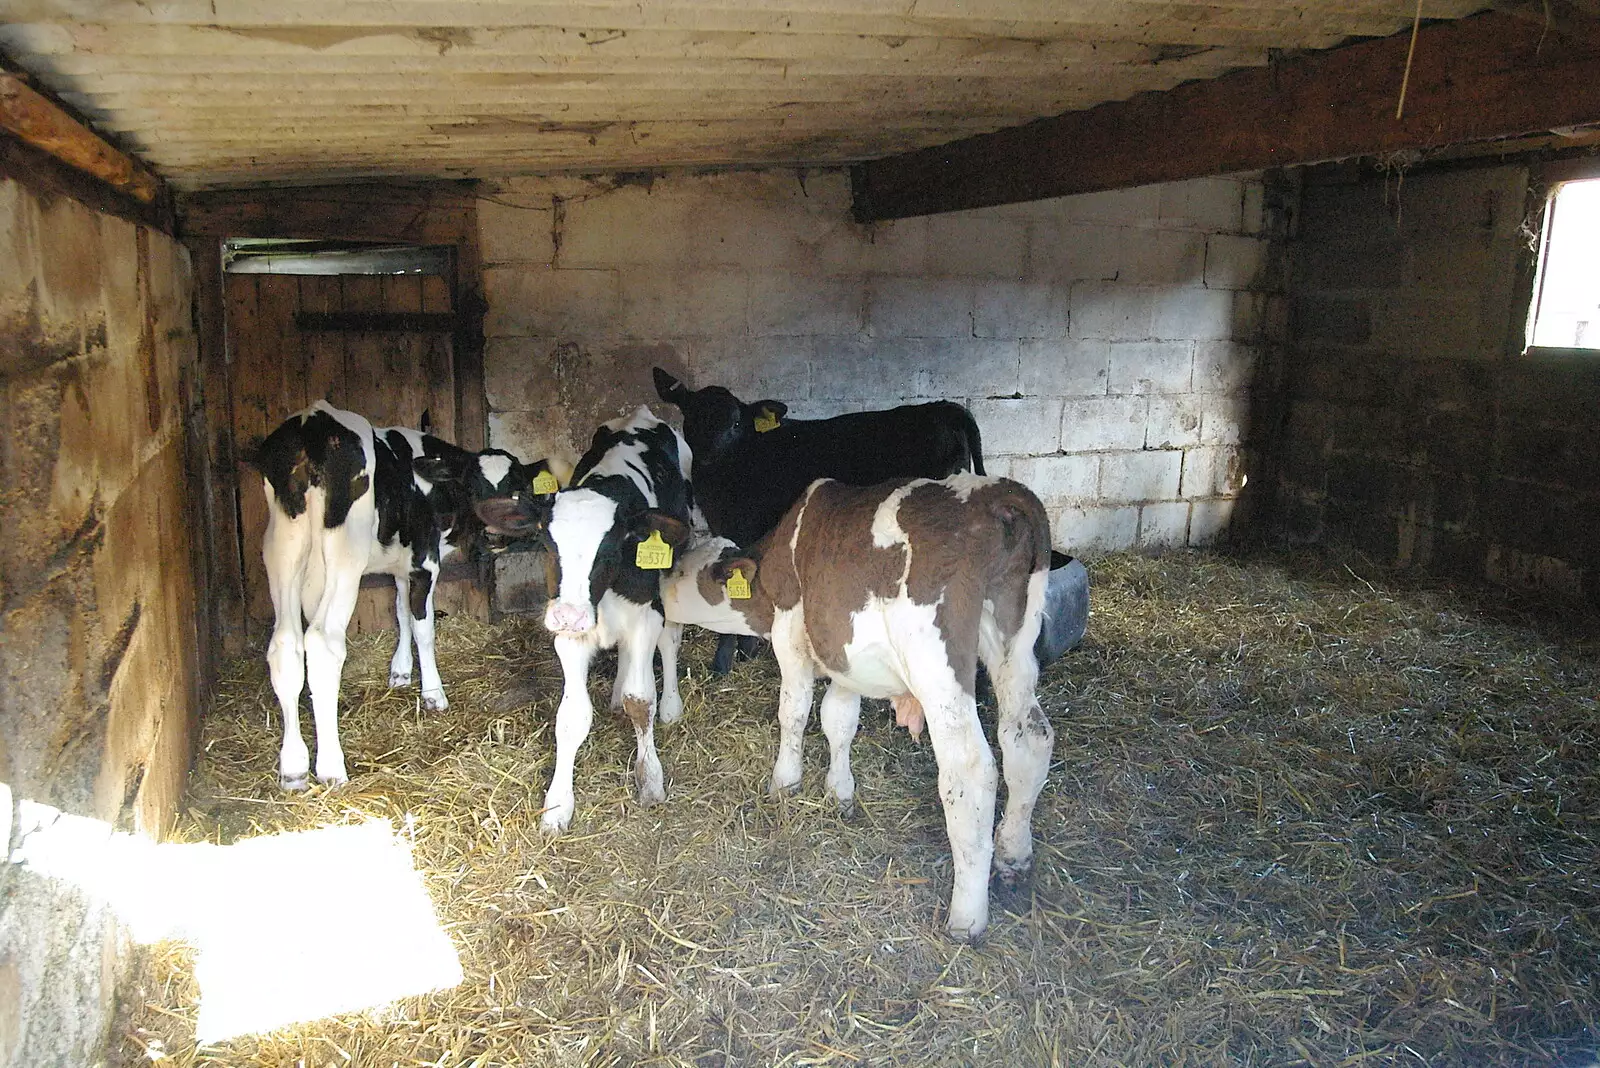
1478 78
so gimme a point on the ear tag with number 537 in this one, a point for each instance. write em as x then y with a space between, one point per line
653 554
545 482
766 421
738 588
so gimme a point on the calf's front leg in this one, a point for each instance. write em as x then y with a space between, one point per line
841 715
574 716
670 709
635 671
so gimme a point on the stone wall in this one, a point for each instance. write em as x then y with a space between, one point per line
98 676
1418 431
1107 344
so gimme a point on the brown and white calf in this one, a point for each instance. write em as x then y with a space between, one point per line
897 591
751 462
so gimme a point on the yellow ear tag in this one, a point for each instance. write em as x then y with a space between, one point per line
766 421
545 482
738 589
654 554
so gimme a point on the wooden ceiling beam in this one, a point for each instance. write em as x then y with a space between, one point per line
1473 79
40 122
1199 23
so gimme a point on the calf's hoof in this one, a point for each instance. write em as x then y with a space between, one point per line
777 788
295 784
846 801
435 702
1013 874
517 695
669 711
399 680
1012 896
971 934
332 772
555 821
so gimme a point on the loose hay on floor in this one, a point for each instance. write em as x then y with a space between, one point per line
1296 815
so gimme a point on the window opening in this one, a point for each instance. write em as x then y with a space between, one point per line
292 256
1566 303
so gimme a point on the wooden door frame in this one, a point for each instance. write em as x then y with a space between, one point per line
433 214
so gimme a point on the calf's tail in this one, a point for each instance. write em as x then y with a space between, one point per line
1026 525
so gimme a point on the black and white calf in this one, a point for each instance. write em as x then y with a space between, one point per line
633 483
344 500
745 478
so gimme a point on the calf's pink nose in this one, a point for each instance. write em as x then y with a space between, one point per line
564 616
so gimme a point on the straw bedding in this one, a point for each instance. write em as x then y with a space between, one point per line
1299 813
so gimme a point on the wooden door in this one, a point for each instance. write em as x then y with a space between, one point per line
367 343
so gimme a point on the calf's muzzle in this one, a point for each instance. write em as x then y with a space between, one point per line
564 617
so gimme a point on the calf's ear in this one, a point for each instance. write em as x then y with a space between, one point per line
433 468
673 531
723 570
541 475
775 408
512 518
668 388
249 454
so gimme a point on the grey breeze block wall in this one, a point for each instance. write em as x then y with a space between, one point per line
1106 343
98 674
1417 430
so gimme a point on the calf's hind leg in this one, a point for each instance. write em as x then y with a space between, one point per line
400 663
285 549
1026 738
1026 741
967 782
326 636
425 580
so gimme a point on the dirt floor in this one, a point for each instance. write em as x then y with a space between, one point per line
1300 813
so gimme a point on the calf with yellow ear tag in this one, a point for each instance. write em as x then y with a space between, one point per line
610 536
899 591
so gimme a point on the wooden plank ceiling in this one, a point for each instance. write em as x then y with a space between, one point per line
216 93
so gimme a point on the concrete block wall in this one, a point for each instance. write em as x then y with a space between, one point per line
1417 429
98 675
1107 344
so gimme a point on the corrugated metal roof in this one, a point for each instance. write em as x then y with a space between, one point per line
233 92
